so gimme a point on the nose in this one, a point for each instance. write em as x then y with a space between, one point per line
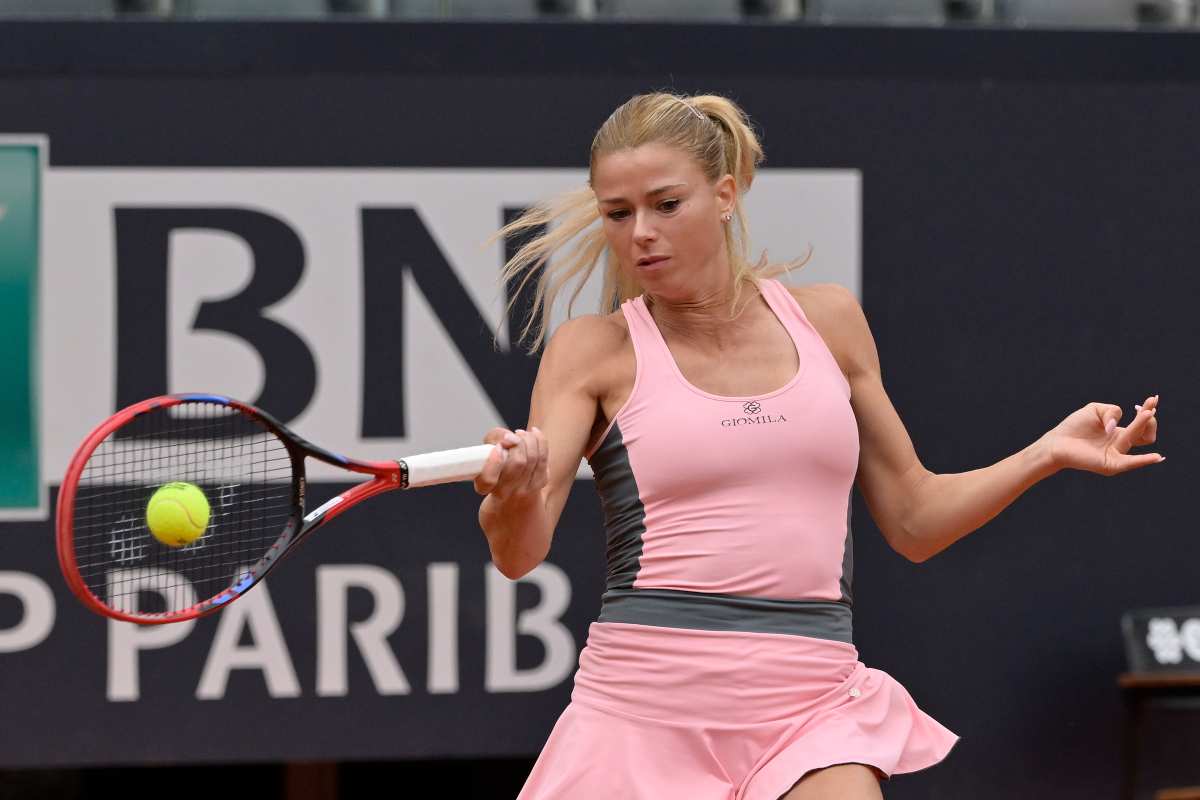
643 228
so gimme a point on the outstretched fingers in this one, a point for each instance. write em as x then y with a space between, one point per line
1128 462
1142 430
1132 434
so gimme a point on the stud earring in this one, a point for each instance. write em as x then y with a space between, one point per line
726 217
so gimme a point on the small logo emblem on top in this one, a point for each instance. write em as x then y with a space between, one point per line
754 415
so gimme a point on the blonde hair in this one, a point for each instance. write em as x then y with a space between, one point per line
711 129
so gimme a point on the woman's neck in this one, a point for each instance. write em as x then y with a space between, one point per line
705 316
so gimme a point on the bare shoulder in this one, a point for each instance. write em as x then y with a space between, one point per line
589 336
838 316
584 347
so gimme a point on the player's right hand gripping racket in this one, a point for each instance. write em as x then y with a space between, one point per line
250 469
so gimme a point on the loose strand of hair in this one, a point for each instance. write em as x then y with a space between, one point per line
563 218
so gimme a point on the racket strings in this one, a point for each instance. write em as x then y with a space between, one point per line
99 494
245 472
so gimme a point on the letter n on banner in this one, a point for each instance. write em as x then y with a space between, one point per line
22 164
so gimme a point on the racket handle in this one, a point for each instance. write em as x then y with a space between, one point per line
445 466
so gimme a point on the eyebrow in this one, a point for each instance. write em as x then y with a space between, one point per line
650 193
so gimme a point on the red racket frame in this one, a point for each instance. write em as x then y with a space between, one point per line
388 475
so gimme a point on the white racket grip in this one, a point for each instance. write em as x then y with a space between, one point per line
446 466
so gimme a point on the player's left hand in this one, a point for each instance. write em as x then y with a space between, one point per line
1092 439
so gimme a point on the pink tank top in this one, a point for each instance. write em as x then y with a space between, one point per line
730 513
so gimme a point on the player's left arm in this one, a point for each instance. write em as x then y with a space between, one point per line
920 513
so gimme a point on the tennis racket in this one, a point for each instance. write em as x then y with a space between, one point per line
251 471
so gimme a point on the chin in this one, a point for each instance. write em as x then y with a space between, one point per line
673 287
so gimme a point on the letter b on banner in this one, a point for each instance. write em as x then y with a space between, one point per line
143 252
543 621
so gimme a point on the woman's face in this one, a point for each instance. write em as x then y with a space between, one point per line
662 219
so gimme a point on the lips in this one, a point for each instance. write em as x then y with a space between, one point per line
649 261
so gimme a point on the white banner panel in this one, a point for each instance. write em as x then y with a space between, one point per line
789 210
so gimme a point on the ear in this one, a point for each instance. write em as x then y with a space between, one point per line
726 193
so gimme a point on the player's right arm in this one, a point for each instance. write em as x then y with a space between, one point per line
527 488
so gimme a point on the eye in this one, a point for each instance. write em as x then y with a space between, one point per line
619 213
669 205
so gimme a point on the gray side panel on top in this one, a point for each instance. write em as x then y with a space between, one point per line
673 608
624 514
847 580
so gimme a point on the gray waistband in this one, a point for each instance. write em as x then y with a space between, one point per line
671 608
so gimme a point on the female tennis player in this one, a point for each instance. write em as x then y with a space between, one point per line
726 417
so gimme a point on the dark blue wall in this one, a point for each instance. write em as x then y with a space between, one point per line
1030 245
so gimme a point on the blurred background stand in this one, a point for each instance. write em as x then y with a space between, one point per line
1162 649
311 780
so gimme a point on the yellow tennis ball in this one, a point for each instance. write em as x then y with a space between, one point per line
177 513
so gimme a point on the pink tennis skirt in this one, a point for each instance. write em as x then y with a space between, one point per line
661 713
